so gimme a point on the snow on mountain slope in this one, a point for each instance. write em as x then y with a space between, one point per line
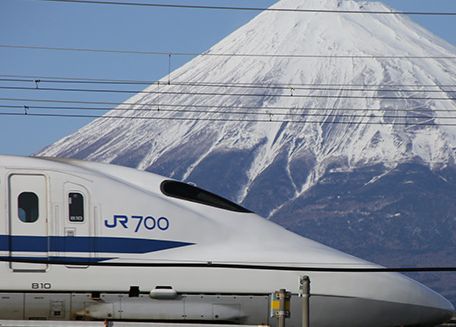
243 151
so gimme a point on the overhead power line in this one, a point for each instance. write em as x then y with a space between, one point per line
296 10
227 265
290 87
291 94
190 105
138 52
74 79
217 54
302 114
428 122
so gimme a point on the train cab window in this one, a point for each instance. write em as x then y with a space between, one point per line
27 207
191 193
76 207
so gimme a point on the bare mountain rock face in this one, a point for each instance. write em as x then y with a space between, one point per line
369 166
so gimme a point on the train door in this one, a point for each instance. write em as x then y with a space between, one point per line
78 224
28 220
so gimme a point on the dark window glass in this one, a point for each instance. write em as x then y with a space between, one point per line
191 193
76 207
27 207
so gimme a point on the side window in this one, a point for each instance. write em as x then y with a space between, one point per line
191 193
27 207
76 207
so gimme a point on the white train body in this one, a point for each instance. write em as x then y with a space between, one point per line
76 211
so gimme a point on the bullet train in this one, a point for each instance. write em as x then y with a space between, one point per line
92 241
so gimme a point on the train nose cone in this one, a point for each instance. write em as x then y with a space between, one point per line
379 300
430 307
412 303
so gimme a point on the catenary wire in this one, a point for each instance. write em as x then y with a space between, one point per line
215 54
223 112
324 96
177 105
182 6
217 265
367 88
162 82
271 120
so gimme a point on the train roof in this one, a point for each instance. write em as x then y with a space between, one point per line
146 181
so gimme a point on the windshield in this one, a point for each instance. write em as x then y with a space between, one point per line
194 194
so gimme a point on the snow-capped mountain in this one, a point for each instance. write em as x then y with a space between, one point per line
356 179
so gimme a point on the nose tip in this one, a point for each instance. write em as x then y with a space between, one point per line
440 310
444 304
430 298
408 302
429 316
431 308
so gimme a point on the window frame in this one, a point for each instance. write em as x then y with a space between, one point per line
68 211
19 208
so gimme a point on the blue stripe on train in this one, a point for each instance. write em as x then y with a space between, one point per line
85 244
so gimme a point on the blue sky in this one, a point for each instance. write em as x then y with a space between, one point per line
30 22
